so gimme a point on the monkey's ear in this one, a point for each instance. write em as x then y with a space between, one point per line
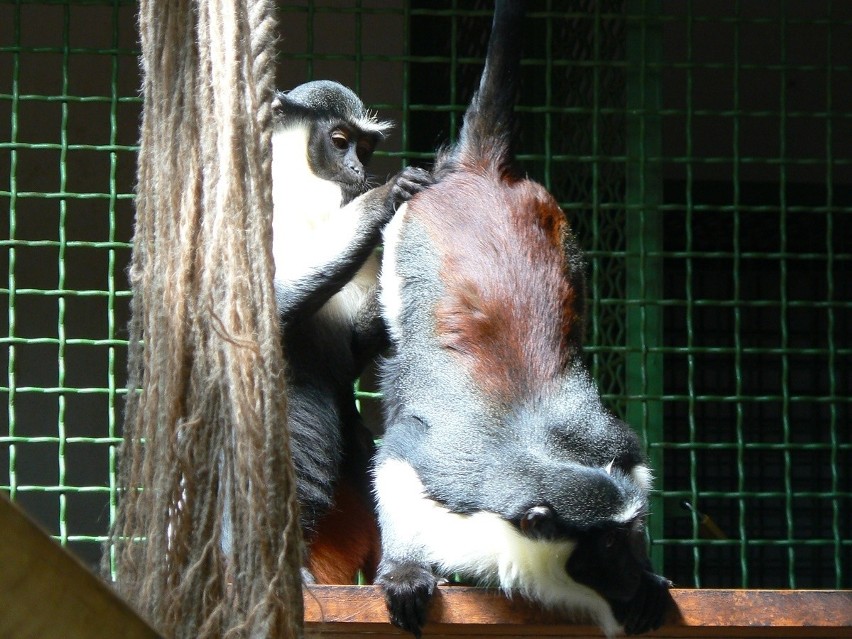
278 101
284 108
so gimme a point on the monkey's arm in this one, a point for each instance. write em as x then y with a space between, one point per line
370 334
404 572
302 291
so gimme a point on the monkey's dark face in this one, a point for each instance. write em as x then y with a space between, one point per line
340 152
610 560
613 562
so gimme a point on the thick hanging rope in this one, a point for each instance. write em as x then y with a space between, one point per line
205 437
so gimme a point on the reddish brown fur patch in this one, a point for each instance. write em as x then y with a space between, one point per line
509 310
346 540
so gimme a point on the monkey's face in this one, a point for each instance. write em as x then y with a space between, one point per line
610 560
341 153
613 561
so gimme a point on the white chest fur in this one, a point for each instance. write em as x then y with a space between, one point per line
310 229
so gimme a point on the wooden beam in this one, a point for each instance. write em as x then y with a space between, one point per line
47 593
475 612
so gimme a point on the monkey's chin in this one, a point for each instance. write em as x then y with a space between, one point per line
482 547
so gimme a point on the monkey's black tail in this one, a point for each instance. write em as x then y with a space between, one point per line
488 130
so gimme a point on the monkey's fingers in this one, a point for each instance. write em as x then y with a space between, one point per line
647 610
408 591
408 183
661 601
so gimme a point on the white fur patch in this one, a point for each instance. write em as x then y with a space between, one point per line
345 303
630 512
643 476
481 546
309 227
371 124
391 283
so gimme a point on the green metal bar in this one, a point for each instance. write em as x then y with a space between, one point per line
60 301
548 101
359 48
80 2
13 201
69 440
785 330
766 543
597 213
112 397
556 63
830 295
690 313
644 233
405 120
738 340
68 147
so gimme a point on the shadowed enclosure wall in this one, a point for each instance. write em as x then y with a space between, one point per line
703 151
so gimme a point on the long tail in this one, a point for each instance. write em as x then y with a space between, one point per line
488 130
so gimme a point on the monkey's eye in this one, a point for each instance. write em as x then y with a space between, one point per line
340 139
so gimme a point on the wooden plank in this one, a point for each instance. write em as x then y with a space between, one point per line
47 593
471 612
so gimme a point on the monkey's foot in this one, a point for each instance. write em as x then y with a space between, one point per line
408 590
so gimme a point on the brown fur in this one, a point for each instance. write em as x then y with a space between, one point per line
346 540
505 286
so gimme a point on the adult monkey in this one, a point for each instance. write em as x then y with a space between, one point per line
499 461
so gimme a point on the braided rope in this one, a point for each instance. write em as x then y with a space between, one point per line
205 435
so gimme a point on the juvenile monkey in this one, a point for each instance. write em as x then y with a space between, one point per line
327 223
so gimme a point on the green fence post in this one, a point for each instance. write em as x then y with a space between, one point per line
644 370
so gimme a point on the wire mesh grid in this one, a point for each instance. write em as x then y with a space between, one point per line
67 81
756 212
701 150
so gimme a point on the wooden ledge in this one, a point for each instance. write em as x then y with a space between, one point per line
47 593
471 612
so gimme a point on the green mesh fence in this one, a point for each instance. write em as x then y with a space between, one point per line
68 107
757 223
701 149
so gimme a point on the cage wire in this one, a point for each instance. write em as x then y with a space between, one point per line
701 150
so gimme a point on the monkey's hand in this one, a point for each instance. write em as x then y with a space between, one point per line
647 609
408 590
408 183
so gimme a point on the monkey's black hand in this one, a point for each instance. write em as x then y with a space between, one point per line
408 183
646 610
408 590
